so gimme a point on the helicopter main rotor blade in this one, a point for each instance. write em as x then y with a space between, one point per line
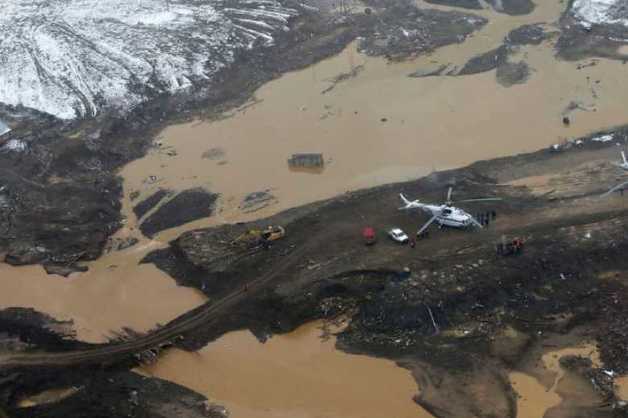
614 189
449 193
428 223
475 222
484 199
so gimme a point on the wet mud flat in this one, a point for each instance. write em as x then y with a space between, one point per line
464 319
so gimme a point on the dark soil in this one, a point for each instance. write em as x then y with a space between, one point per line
405 31
112 394
150 202
465 4
513 7
185 207
486 62
38 330
511 73
533 34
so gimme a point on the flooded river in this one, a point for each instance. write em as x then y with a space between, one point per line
376 127
381 125
297 375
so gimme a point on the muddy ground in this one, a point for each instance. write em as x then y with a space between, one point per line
446 321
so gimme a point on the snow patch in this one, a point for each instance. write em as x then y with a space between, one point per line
73 58
599 12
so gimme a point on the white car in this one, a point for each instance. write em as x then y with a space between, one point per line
398 235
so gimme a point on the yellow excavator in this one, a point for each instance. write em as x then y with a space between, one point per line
254 237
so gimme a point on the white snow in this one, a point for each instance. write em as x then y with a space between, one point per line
72 58
600 12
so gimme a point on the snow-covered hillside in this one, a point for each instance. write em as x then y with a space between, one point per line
601 11
74 57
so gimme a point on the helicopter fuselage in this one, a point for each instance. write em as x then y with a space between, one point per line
446 215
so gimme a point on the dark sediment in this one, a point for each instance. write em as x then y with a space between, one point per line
112 394
465 4
406 31
150 202
513 7
511 73
533 34
36 329
185 207
486 62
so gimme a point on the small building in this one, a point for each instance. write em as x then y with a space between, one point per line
306 161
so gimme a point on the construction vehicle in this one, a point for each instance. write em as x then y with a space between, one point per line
512 247
255 237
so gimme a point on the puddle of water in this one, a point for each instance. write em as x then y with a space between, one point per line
551 360
297 375
48 396
534 399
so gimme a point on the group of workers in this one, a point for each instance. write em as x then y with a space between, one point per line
485 218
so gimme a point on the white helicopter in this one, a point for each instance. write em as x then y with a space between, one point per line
623 165
445 214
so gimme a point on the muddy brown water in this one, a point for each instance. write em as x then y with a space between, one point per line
377 127
383 126
534 397
297 375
